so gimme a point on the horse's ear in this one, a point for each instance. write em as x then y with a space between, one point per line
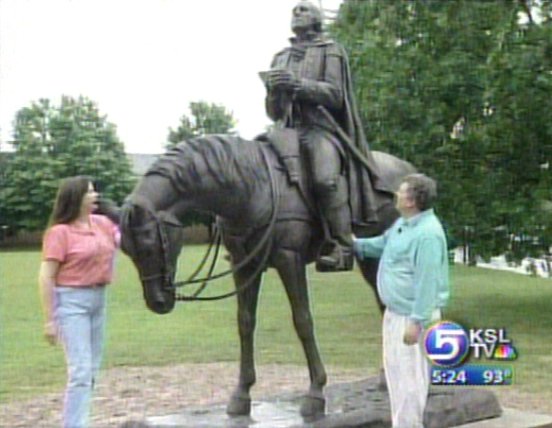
126 244
124 224
137 215
133 216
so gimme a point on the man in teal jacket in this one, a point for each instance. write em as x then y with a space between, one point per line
413 284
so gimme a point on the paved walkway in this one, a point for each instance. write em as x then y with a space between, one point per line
512 418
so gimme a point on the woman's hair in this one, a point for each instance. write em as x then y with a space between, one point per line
68 199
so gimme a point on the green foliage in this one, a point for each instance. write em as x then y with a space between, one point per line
54 142
205 119
462 90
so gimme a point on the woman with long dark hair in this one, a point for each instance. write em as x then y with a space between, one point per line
77 264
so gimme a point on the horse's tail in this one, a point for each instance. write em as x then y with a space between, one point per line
392 169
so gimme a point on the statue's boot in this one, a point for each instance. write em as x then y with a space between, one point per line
337 215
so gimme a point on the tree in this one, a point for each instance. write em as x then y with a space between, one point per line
453 87
54 142
206 119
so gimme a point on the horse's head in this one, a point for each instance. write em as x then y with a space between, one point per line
145 238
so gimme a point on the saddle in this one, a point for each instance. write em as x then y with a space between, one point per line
285 142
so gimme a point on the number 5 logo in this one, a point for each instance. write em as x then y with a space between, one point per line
446 344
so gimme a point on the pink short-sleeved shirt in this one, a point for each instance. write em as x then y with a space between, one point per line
85 256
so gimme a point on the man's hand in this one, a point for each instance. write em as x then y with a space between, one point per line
282 79
412 333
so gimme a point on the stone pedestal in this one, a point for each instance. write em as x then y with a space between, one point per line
348 405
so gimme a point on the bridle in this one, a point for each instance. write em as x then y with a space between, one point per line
167 274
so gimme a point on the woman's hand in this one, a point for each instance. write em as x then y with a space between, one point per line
46 285
51 333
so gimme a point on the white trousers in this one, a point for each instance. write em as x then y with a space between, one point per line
406 372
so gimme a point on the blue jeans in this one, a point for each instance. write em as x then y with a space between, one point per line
80 313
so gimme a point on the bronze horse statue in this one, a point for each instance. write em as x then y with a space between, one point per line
245 185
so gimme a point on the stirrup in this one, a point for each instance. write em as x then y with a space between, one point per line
338 260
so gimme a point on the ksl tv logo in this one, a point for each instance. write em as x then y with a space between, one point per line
448 344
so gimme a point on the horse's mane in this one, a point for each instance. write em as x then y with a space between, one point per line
222 160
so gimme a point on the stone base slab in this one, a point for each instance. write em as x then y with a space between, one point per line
348 405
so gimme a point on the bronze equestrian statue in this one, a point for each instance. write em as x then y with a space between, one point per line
246 184
310 96
279 199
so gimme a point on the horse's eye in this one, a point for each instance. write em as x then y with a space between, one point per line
147 238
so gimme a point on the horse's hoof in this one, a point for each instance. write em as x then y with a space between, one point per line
313 406
239 406
382 381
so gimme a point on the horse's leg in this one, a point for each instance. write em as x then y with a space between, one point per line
292 270
369 270
240 401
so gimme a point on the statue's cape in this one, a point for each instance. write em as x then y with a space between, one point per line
361 174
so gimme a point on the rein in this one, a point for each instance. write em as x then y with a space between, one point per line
263 242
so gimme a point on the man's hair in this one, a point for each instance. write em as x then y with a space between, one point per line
69 199
422 189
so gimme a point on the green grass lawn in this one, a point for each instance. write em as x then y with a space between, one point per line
346 319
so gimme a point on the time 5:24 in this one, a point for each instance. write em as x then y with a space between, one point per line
448 376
